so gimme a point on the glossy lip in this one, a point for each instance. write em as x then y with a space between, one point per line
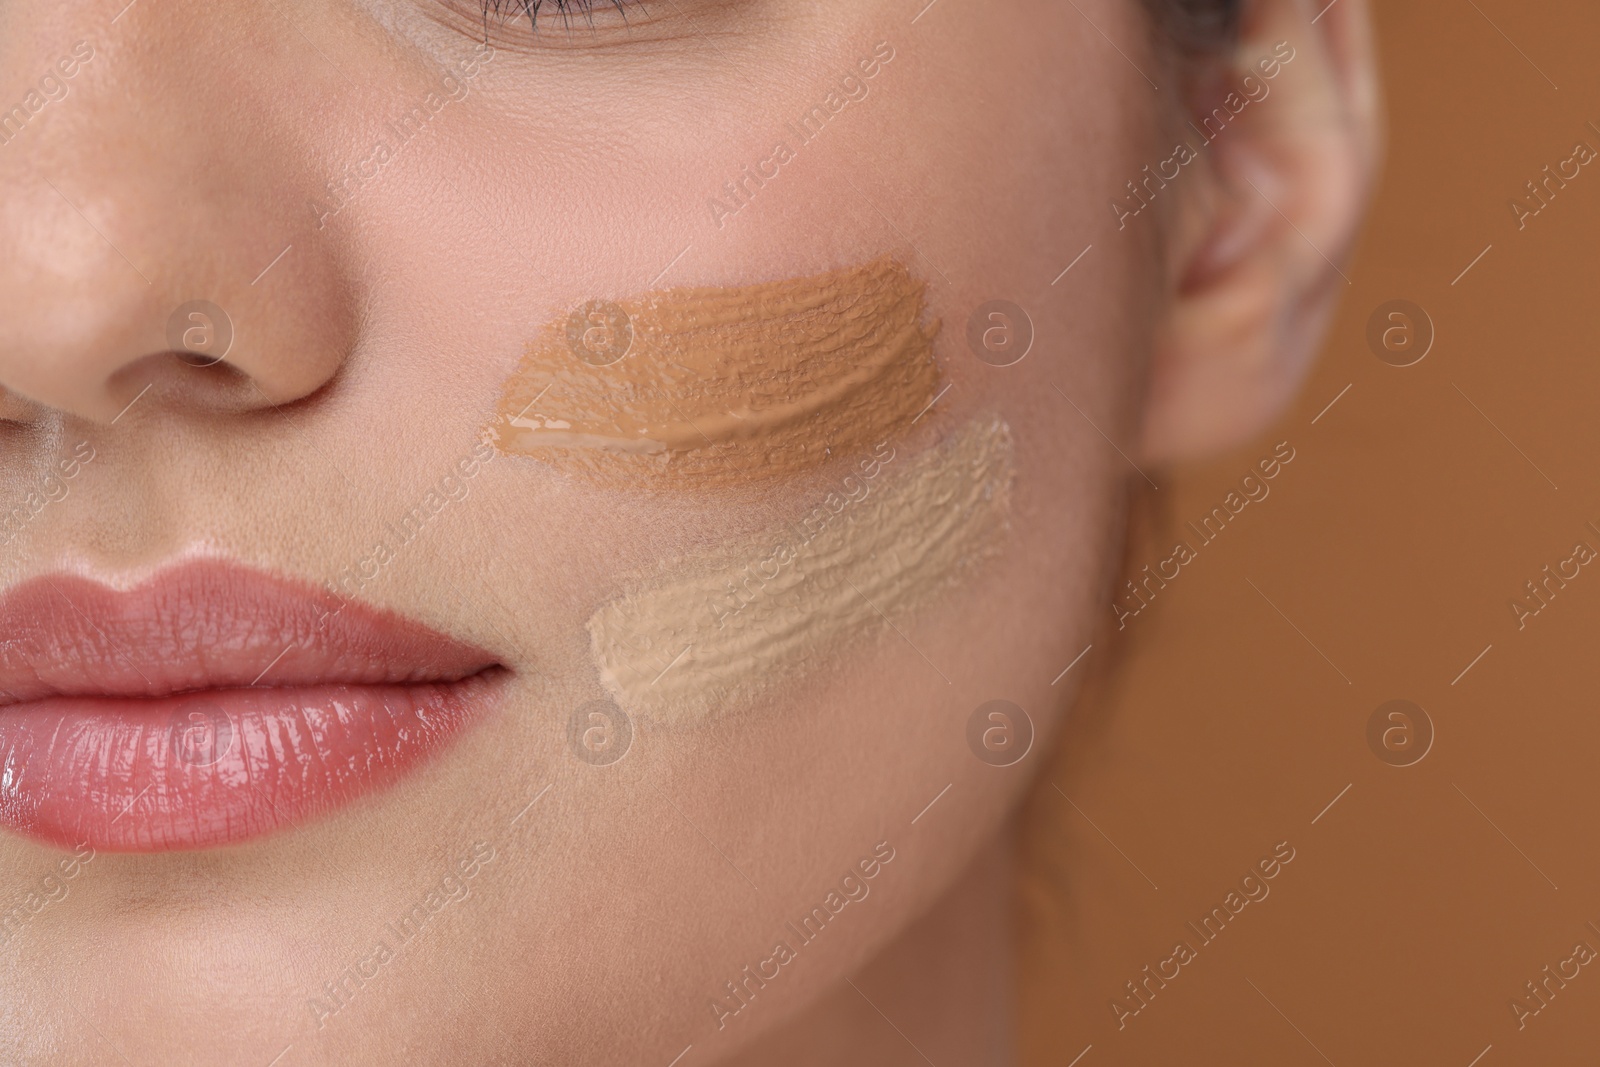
213 703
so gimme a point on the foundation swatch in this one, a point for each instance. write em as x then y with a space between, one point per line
713 634
724 385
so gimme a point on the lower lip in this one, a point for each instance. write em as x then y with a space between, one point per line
216 767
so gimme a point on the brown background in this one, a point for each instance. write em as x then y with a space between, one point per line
1417 506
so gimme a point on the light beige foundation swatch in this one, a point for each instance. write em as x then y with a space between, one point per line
724 385
709 635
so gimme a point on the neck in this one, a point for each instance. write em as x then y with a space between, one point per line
941 992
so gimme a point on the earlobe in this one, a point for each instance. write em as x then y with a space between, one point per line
1288 140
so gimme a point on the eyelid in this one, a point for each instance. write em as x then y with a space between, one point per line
536 22
655 27
565 23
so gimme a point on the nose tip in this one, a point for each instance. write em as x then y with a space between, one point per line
89 320
150 241
80 314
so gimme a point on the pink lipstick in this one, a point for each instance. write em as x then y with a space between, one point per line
214 703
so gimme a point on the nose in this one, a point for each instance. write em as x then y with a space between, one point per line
153 234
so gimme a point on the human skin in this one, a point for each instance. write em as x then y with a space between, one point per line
180 164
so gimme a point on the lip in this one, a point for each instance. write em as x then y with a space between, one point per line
214 703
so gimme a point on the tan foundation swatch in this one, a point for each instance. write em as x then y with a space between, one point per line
710 635
724 384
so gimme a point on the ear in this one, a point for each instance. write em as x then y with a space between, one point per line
1287 140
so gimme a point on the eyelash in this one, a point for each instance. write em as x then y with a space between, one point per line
504 10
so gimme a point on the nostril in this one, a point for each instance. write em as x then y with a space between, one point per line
185 381
205 373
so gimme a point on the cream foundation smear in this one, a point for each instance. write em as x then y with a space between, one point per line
713 634
694 389
724 385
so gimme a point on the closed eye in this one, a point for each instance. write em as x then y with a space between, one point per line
538 25
502 11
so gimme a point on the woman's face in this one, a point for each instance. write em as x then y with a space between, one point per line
390 215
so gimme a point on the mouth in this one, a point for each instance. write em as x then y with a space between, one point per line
214 703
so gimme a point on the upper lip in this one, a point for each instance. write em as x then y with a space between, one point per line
209 624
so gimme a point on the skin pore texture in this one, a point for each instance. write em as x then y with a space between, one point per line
719 386
621 901
389 210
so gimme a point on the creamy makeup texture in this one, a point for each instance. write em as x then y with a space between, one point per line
724 385
709 635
